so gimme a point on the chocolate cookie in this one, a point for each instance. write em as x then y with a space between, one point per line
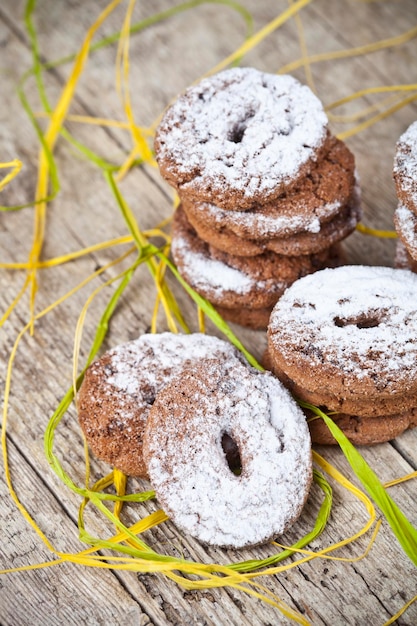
360 404
233 282
187 464
240 138
119 389
405 168
257 319
301 243
347 339
314 200
363 431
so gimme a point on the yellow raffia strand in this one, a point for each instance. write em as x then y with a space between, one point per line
201 320
264 32
351 52
99 121
371 91
120 481
400 612
141 147
375 232
395 89
304 52
13 305
376 118
16 166
7 389
51 135
403 479
324 555
363 113
159 280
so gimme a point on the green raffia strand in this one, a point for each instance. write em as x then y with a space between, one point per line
37 66
211 312
139 239
402 528
320 524
92 156
63 406
159 17
36 70
241 567
55 186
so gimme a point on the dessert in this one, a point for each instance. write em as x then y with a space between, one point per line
119 389
259 177
345 339
188 467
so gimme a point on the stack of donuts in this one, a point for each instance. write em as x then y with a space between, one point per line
266 192
345 339
405 217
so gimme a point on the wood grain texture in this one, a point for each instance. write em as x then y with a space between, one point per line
165 58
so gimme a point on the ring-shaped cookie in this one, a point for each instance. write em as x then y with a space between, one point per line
230 281
119 389
350 331
188 467
240 137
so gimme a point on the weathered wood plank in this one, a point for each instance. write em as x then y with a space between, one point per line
164 62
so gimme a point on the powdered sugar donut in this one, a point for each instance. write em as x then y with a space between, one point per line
349 332
364 431
119 389
316 199
188 467
240 137
302 243
405 168
230 281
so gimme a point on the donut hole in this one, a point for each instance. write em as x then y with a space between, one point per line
368 319
236 133
232 454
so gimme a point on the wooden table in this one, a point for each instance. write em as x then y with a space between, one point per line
165 58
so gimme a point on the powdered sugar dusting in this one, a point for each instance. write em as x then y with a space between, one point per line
146 364
406 225
405 163
264 223
207 274
360 322
242 130
189 471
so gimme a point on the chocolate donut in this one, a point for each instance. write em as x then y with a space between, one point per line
346 339
241 137
233 282
187 464
119 389
302 243
316 199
